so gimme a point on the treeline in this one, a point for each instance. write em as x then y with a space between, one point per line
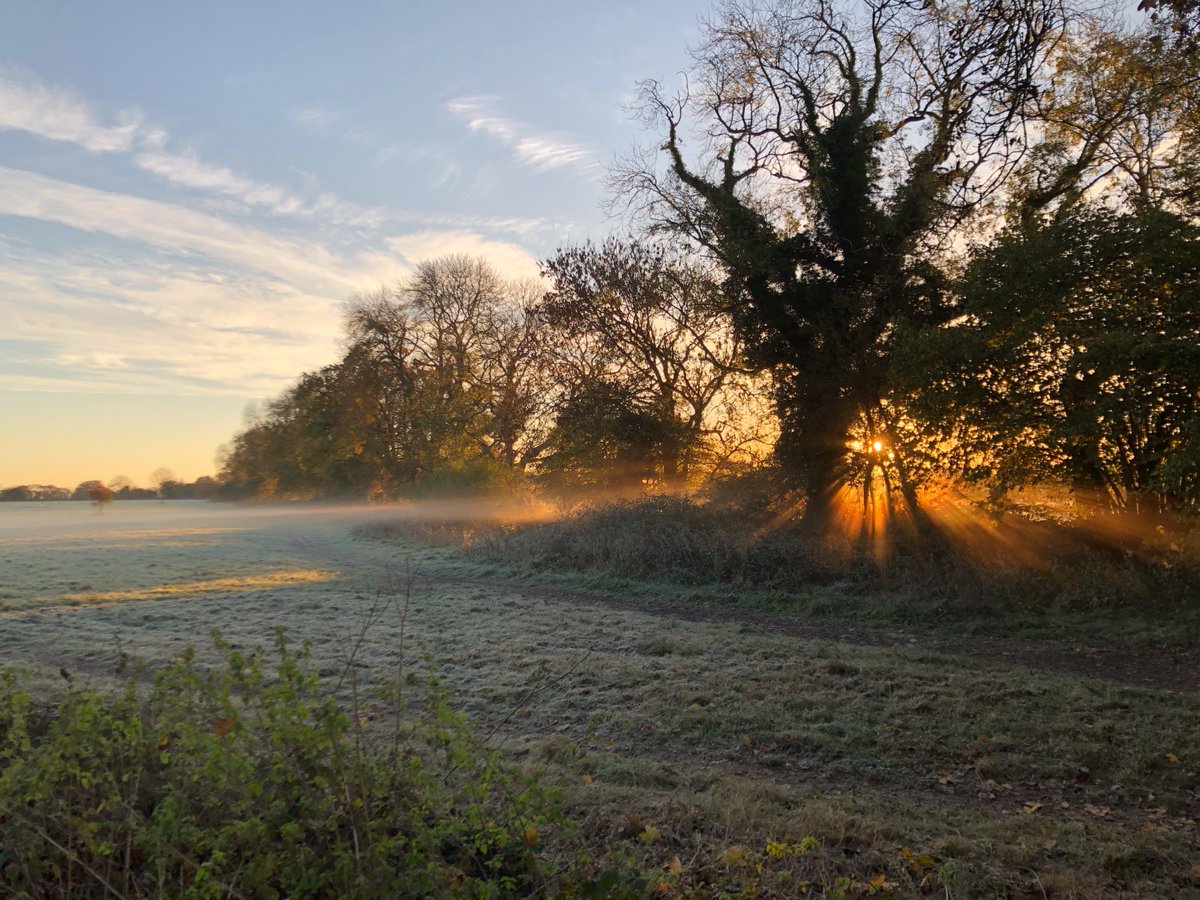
203 488
627 371
876 246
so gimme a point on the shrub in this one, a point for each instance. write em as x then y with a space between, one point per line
248 780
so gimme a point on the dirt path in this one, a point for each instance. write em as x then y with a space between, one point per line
1173 670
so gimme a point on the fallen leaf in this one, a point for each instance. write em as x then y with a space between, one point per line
1097 810
1049 844
675 866
917 862
745 740
1030 808
531 836
586 779
649 835
735 856
1172 758
223 726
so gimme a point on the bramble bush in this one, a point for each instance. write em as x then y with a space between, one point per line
249 779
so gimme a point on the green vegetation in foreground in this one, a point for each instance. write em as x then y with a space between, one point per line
719 556
243 782
689 767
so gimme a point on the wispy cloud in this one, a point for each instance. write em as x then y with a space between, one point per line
510 260
167 226
540 151
186 303
26 104
187 295
315 117
187 171
130 327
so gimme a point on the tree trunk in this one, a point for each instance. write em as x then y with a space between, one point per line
818 451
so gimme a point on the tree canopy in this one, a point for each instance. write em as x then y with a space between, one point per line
820 153
951 239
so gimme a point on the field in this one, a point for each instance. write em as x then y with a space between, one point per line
708 739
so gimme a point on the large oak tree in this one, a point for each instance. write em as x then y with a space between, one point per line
822 153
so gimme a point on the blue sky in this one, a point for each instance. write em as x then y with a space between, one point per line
189 191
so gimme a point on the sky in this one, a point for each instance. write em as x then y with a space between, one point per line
190 191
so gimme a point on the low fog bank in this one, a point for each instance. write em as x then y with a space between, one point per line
147 517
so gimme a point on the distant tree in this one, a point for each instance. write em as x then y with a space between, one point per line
444 372
606 437
652 326
205 487
100 495
83 490
124 489
17 494
450 365
160 478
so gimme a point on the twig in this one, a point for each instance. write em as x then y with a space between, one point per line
534 691
396 700
374 614
71 856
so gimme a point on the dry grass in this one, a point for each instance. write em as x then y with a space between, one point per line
1033 579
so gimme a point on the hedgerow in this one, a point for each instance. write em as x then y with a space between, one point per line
248 778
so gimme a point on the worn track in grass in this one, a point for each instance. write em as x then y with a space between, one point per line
1171 669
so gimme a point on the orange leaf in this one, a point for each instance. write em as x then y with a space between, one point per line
531 836
1172 758
223 726
675 866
